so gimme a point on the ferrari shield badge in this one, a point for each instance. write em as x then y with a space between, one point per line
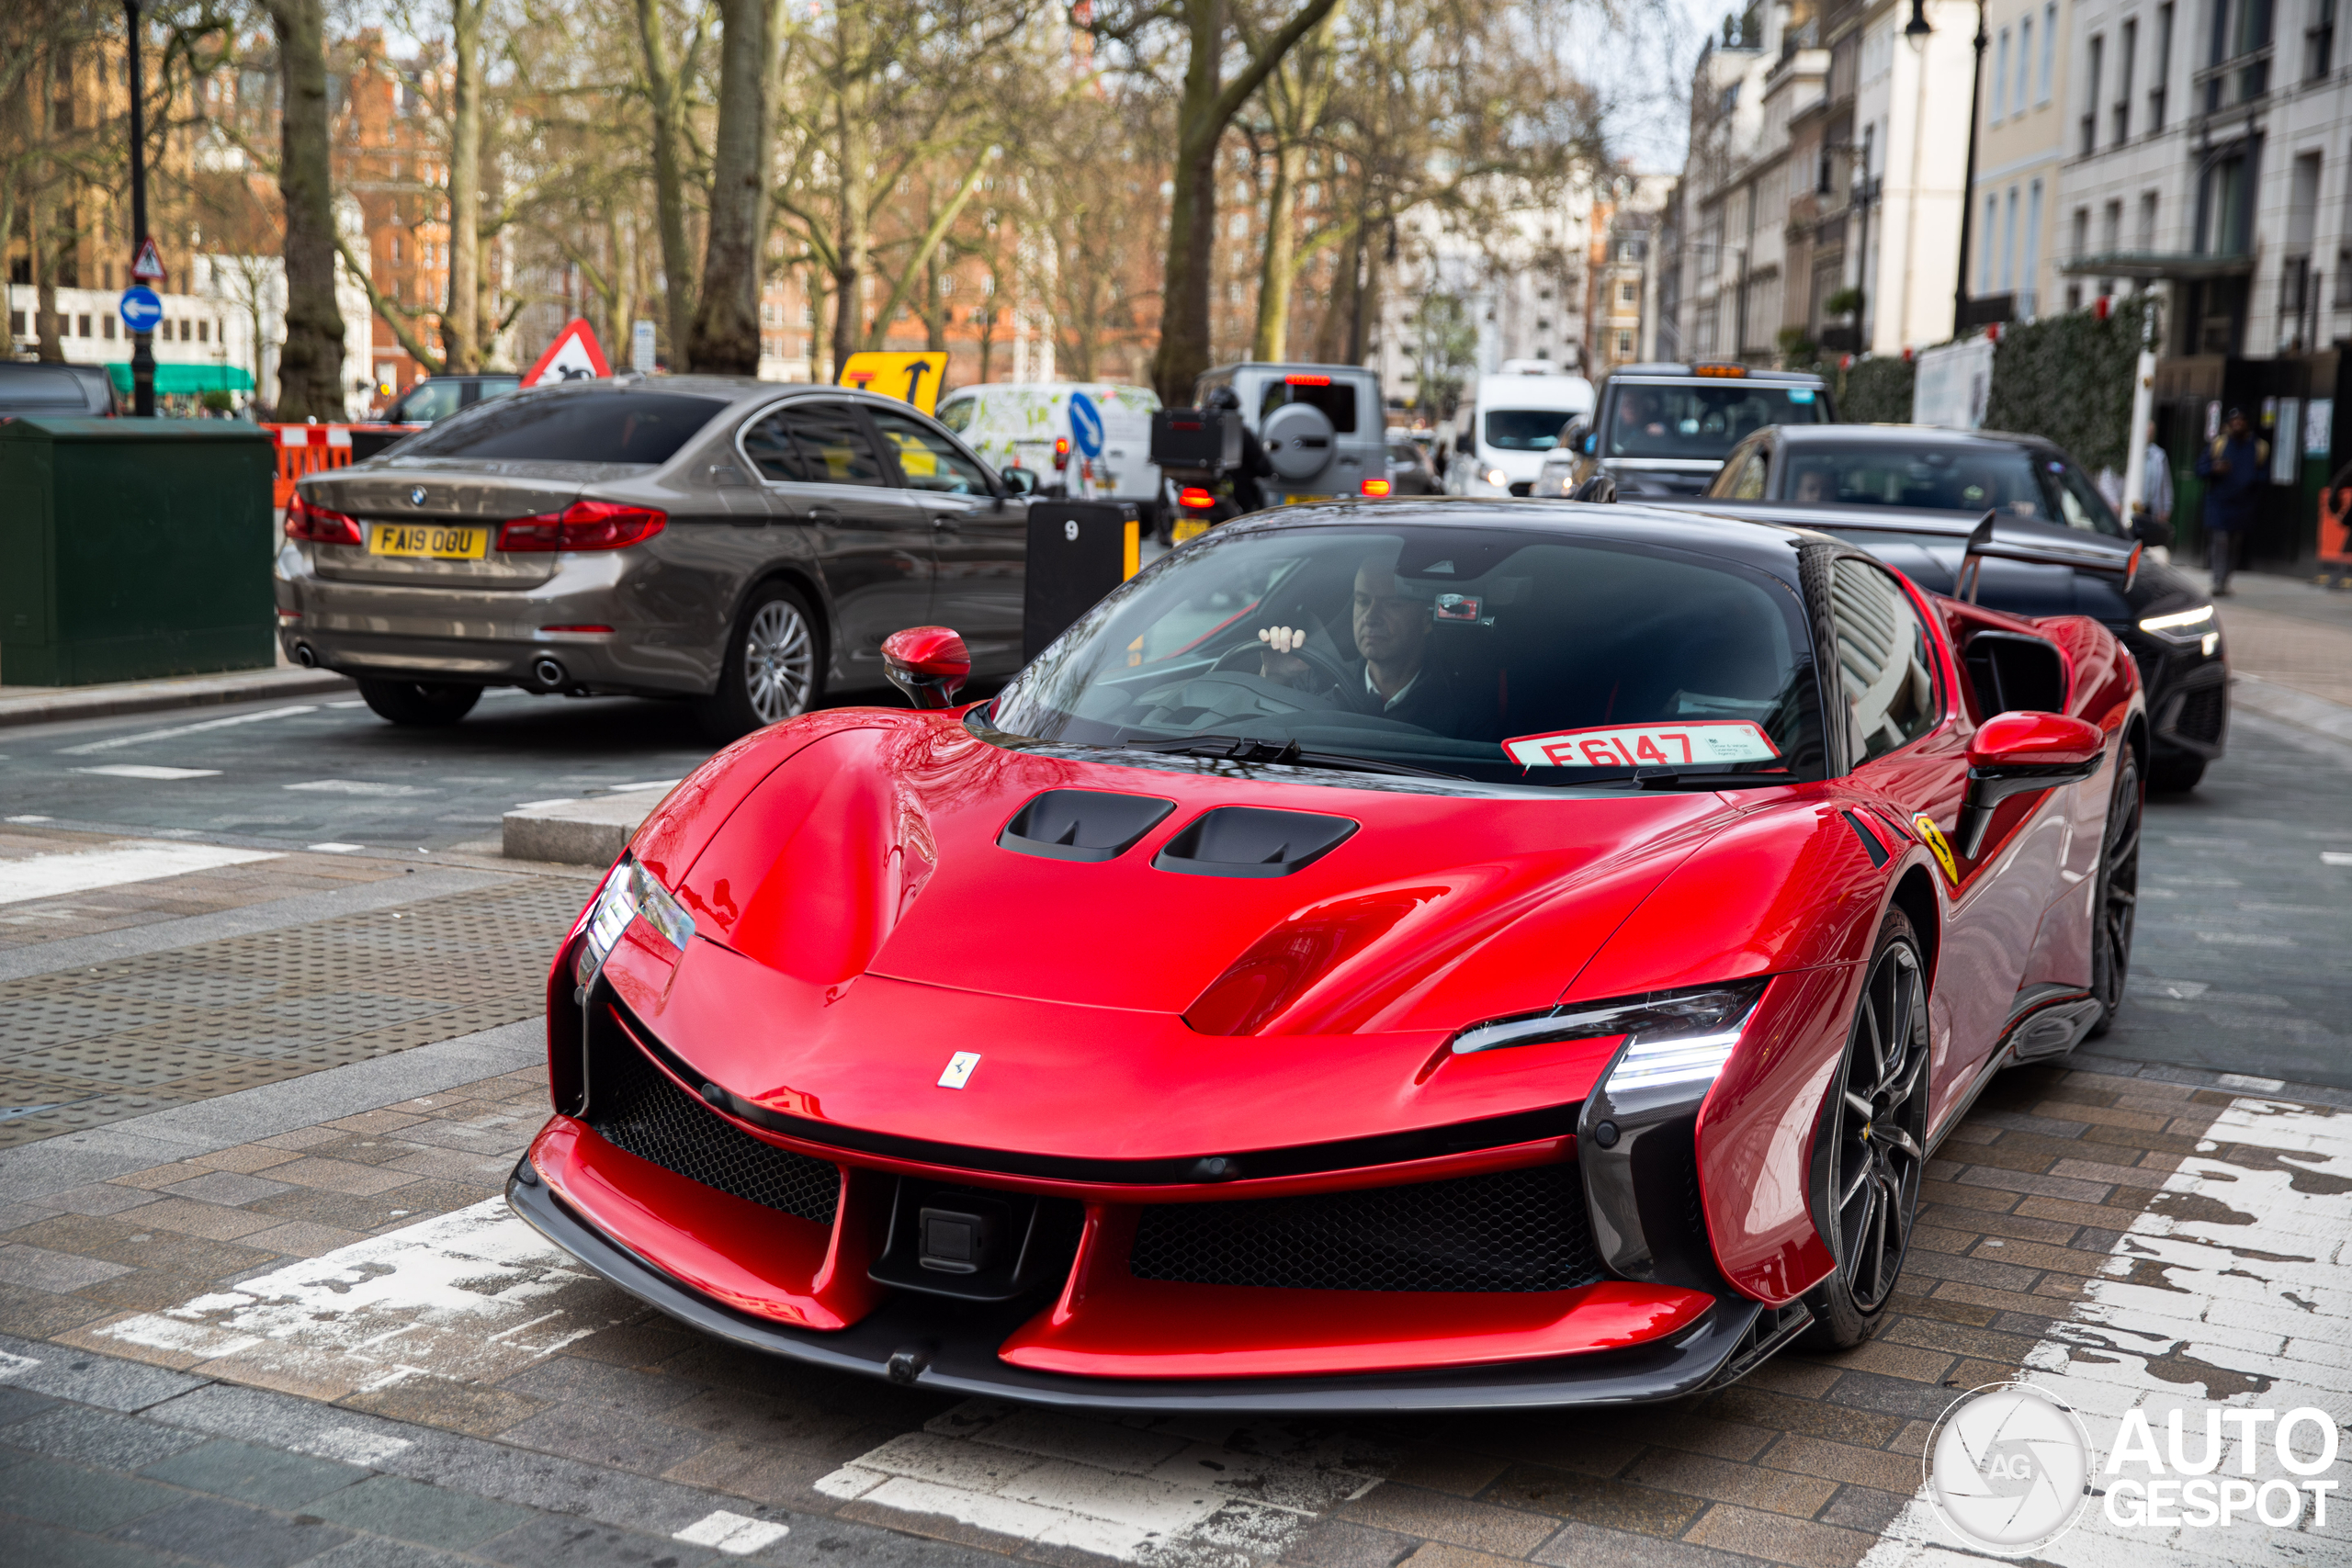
1937 846
959 1069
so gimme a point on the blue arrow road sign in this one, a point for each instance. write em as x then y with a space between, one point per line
1085 425
141 310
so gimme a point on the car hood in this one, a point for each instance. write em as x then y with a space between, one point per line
857 922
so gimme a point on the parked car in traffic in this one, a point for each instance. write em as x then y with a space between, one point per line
1046 427
737 543
1322 426
54 391
1912 494
1663 430
1511 424
437 397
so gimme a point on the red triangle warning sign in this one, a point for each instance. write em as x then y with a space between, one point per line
575 356
147 266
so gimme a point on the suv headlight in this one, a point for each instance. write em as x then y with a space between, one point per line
629 892
2182 626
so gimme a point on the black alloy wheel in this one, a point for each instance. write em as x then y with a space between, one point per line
1876 1132
2119 895
421 705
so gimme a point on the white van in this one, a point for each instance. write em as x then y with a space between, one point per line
1100 433
1499 438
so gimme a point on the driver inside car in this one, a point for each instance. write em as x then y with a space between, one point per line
1392 680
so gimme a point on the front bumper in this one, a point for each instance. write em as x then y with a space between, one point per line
2189 693
928 1342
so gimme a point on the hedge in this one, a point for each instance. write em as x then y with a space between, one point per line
2069 379
1875 391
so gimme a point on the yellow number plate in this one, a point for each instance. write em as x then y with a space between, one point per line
427 541
1303 500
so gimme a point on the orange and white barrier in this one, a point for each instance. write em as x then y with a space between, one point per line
306 449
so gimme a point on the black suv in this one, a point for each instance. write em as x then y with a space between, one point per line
1911 494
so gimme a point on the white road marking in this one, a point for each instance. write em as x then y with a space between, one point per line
144 736
29 819
359 786
1180 1492
338 849
352 1445
536 805
128 860
734 1534
2335 857
149 771
15 1366
472 1296
2244 1305
647 784
350 703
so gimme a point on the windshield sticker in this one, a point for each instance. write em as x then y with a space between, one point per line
1712 743
1800 394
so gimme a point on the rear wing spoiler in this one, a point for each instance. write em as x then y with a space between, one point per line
1983 546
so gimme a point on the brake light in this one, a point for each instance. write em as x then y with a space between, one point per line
1719 370
1196 497
320 526
584 526
1376 487
1061 452
1306 381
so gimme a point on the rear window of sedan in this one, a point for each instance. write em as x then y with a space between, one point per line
592 427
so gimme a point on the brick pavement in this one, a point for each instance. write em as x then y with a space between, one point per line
199 1267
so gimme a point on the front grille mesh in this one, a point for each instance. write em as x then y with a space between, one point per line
2200 715
633 1105
1514 1230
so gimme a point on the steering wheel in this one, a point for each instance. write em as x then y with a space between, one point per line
1232 659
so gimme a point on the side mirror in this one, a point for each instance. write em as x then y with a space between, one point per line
929 664
2019 753
1019 481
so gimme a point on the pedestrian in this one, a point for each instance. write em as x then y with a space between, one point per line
2155 489
2232 465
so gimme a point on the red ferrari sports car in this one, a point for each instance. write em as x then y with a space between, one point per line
1386 956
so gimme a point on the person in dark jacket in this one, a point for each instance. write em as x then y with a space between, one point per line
2233 465
1248 494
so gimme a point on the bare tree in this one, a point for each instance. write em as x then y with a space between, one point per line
725 336
310 366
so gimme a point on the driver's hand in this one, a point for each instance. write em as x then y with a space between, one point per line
1280 662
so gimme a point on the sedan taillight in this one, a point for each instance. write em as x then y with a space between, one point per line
320 526
584 526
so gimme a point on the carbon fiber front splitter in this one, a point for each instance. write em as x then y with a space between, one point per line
950 1346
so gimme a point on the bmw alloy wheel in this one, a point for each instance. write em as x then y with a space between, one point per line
1881 1124
779 663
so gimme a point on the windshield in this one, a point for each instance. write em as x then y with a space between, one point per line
1946 479
572 428
1490 654
1525 430
1702 419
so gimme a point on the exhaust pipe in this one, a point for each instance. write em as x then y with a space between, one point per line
305 656
548 674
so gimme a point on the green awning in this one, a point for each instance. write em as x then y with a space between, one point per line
176 380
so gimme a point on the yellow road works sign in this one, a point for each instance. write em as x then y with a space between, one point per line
910 378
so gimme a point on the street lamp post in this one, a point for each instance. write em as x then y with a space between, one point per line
1916 31
142 351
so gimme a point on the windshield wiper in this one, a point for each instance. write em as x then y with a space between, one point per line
1703 778
1246 749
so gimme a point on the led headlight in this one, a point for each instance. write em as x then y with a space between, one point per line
629 892
2182 626
1499 479
1673 1037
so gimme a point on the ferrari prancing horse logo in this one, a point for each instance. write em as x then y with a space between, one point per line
959 1069
1937 846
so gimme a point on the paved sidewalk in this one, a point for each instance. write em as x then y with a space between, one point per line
2288 632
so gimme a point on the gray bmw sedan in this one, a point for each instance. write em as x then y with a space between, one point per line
741 544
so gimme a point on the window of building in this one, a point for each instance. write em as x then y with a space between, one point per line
2162 72
2127 45
1629 293
2319 40
84 323
1984 246
1624 344
2095 58
2027 280
106 328
203 332
2001 77
2082 245
2048 53
2145 239
2009 242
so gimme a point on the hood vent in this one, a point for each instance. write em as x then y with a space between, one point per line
1245 841
1082 824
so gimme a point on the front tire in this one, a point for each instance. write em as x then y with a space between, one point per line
420 705
2118 896
774 667
1876 1128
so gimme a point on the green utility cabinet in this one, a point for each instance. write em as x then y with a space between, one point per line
133 548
